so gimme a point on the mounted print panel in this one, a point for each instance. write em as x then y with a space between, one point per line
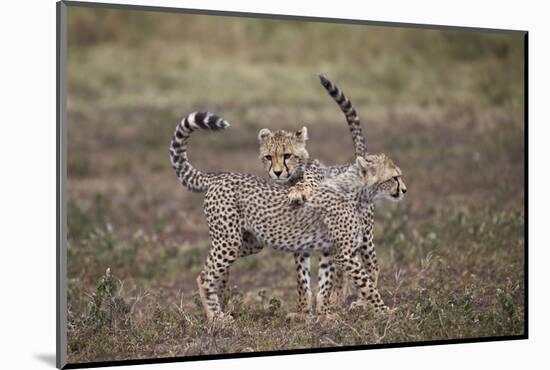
237 185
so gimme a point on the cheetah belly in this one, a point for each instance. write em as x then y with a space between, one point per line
290 229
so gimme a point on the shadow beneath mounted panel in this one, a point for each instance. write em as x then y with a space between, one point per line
47 358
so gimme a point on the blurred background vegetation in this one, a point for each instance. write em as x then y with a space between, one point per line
447 106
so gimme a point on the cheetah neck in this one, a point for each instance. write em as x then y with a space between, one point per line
349 182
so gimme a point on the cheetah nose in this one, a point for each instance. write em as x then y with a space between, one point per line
404 190
277 173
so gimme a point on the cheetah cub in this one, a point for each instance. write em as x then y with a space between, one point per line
282 152
283 155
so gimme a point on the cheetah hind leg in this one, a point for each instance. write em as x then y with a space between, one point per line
216 319
216 293
214 270
249 245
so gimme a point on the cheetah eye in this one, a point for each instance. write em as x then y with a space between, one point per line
287 155
396 178
268 157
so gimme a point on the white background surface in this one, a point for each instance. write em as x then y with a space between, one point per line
27 165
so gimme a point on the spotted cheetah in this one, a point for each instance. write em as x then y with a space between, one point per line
280 153
239 207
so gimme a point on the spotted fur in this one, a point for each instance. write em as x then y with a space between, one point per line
239 207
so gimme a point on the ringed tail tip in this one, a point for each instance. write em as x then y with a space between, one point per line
205 120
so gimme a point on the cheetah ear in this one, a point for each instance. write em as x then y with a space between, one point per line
370 170
301 135
264 134
365 166
372 158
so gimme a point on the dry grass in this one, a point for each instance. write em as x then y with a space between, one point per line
446 106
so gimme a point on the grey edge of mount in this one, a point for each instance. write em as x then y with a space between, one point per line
61 176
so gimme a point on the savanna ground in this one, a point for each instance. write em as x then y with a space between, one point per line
446 106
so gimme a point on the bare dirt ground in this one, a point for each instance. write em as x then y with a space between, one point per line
445 106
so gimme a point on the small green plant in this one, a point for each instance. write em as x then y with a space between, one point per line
107 306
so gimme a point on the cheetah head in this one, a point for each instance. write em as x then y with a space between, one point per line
281 151
382 177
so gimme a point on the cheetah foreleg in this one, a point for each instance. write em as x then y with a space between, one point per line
343 233
339 290
368 253
302 190
326 280
367 250
303 268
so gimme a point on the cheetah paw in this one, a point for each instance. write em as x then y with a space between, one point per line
385 311
298 196
221 320
297 316
337 300
358 304
328 317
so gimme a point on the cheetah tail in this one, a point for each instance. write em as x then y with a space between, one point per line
189 176
359 141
